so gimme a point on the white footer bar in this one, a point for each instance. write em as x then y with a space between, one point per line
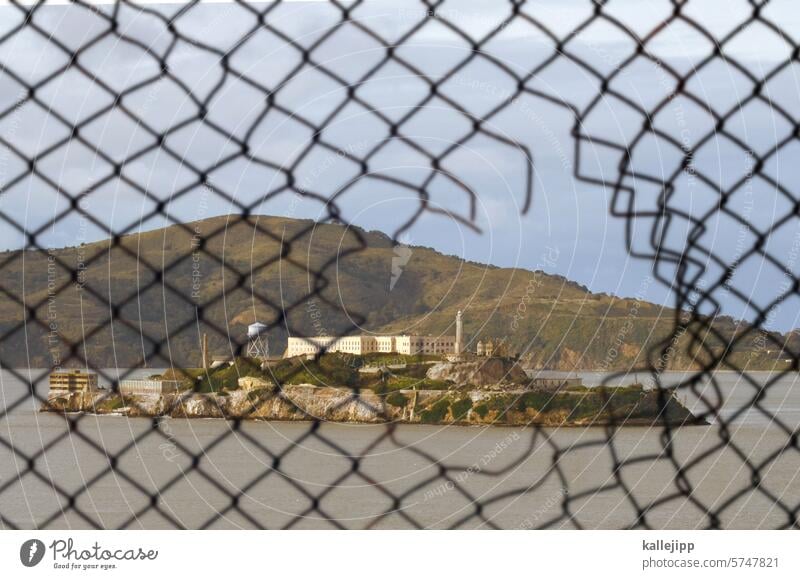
400 554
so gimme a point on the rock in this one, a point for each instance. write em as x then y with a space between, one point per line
626 405
251 383
481 373
200 406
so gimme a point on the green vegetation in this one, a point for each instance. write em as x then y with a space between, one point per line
390 359
332 370
482 410
435 413
600 402
439 410
460 408
394 383
570 406
227 377
339 370
112 402
328 370
581 327
396 399
219 380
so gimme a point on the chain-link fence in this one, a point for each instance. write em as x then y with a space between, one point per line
268 110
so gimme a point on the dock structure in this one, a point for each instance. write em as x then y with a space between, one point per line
138 387
73 381
553 380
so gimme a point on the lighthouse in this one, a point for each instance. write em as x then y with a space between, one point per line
459 334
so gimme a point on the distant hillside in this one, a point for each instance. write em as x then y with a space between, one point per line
261 270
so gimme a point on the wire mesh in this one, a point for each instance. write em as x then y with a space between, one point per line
647 201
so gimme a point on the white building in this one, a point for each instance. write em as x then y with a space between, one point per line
361 345
133 387
409 345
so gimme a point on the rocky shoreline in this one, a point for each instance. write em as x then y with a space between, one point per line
258 400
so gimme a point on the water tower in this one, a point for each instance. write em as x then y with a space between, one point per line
257 342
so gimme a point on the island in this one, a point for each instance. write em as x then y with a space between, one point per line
377 388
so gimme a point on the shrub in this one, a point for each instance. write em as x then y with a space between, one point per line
397 399
414 370
536 400
403 383
113 402
436 412
460 408
328 370
435 385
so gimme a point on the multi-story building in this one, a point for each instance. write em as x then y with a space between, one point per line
132 387
409 345
412 345
311 346
360 345
73 380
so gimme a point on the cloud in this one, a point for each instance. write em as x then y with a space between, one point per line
571 216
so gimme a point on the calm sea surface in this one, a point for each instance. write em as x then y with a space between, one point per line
509 471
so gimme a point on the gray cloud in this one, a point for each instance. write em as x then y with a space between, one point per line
566 214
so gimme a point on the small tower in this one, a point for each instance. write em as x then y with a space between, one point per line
459 334
257 342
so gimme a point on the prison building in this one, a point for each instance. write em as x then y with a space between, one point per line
356 345
438 345
309 346
137 387
361 345
73 380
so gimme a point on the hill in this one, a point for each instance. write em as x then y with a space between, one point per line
218 275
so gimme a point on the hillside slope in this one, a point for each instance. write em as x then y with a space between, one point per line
220 274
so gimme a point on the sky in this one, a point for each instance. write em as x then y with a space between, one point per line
568 218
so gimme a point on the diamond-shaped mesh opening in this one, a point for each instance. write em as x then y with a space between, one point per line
115 121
